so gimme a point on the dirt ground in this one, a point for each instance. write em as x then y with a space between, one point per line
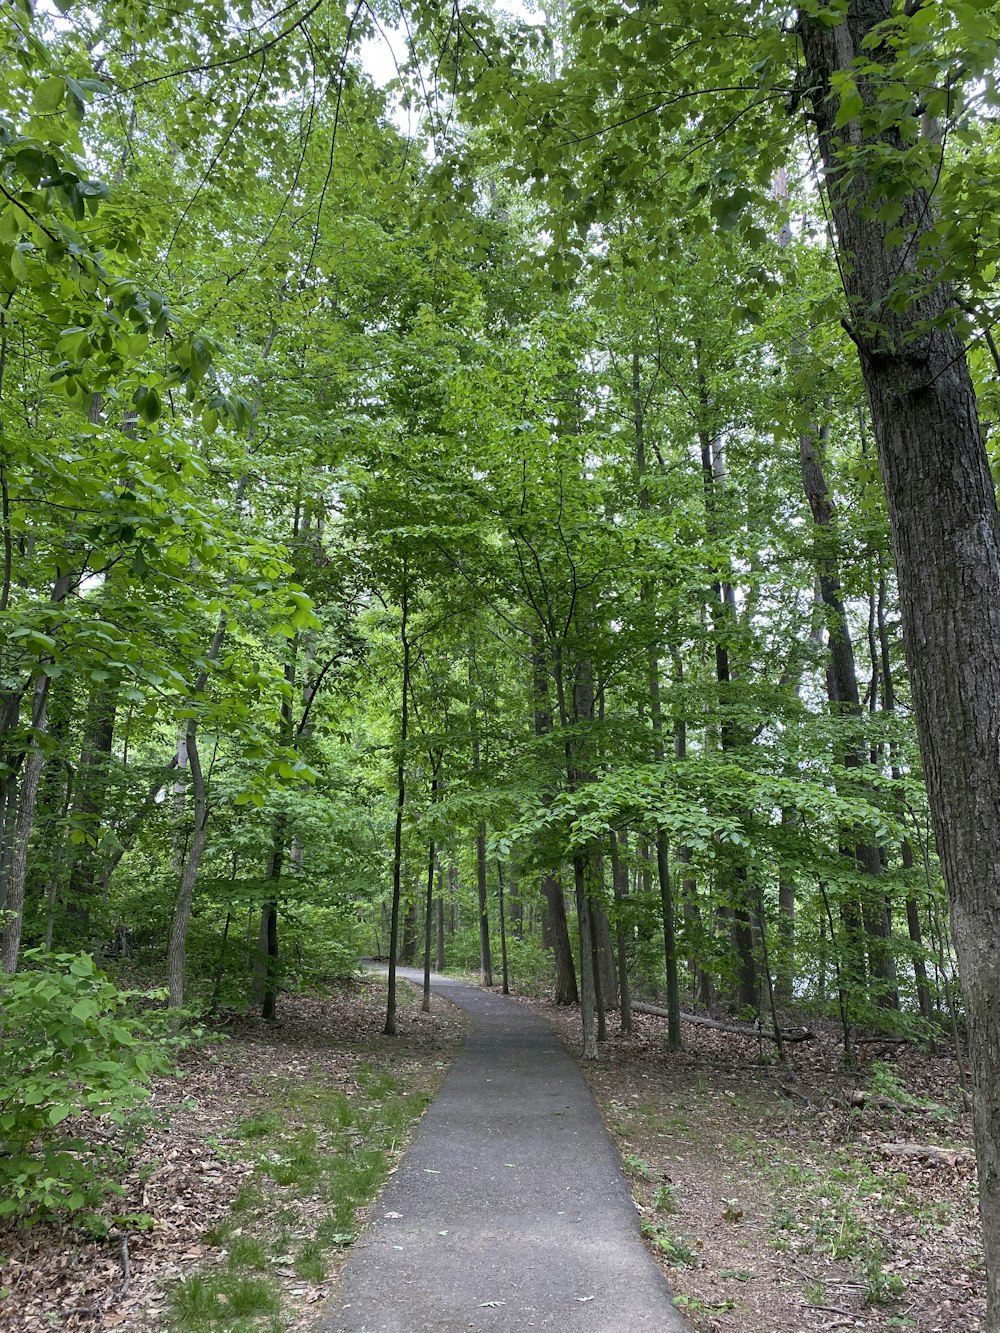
776 1206
773 1204
189 1168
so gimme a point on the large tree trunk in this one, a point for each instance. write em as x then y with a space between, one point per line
946 540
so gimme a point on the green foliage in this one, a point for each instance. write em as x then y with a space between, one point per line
678 1250
75 1060
636 1166
666 1199
881 1287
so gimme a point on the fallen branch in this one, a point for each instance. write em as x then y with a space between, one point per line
885 1041
861 1097
927 1152
739 1029
126 1267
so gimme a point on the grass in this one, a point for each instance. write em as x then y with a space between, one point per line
311 1145
226 1299
636 1167
678 1250
666 1199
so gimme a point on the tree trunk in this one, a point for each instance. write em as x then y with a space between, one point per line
502 916
177 952
924 1001
587 993
17 874
397 842
619 880
647 598
917 940
556 921
603 945
946 540
439 923
8 820
845 700
736 890
485 956
785 970
562 952
425 1002
91 794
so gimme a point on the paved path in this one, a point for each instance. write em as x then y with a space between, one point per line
509 1211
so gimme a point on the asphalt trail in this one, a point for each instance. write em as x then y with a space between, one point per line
509 1211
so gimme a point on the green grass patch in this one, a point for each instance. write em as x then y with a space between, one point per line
223 1300
309 1143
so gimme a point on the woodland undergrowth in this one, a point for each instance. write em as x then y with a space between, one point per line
773 1201
248 1176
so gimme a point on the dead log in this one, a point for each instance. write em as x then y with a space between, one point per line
926 1152
861 1097
738 1029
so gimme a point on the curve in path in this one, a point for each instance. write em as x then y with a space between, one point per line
509 1211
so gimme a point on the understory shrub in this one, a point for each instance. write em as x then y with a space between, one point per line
75 1055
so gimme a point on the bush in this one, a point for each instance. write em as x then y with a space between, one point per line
72 1049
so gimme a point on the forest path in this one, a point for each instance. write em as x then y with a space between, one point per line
509 1210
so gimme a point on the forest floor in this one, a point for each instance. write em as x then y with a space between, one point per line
236 1171
774 1204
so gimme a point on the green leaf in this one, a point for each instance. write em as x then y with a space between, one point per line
49 94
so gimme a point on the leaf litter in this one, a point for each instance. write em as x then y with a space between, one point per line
773 1200
189 1164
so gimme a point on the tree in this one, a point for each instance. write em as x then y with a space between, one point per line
942 504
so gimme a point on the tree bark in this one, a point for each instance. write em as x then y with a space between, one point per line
397 842
588 999
485 955
946 540
91 794
603 945
562 952
439 923
177 952
552 890
619 879
31 776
